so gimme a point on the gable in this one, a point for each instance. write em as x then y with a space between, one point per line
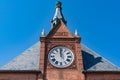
60 31
29 60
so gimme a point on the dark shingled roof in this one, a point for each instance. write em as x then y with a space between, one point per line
29 61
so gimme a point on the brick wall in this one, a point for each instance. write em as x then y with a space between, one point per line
64 75
18 76
103 76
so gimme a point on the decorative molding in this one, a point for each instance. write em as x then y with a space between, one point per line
61 34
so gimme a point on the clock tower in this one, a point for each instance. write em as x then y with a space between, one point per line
60 51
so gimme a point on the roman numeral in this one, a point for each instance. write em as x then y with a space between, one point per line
68 60
54 60
68 53
60 63
52 56
69 56
65 62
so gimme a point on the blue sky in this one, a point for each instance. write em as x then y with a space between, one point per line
98 23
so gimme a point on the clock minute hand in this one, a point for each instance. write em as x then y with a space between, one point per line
60 53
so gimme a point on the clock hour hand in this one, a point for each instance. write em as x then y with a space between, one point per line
61 54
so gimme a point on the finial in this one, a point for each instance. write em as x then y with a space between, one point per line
76 33
43 33
58 14
58 4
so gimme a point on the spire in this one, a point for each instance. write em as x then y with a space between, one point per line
58 14
43 33
76 33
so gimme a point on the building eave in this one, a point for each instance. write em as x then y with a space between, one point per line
20 71
101 71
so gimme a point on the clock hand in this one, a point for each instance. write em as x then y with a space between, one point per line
63 56
60 53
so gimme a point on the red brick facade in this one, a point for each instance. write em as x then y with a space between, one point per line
18 76
102 76
67 76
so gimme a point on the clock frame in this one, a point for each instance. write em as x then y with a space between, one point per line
60 57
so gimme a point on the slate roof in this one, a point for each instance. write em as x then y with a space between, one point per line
94 62
29 61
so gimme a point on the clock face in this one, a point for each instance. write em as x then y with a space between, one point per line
60 57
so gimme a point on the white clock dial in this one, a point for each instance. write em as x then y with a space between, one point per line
60 57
